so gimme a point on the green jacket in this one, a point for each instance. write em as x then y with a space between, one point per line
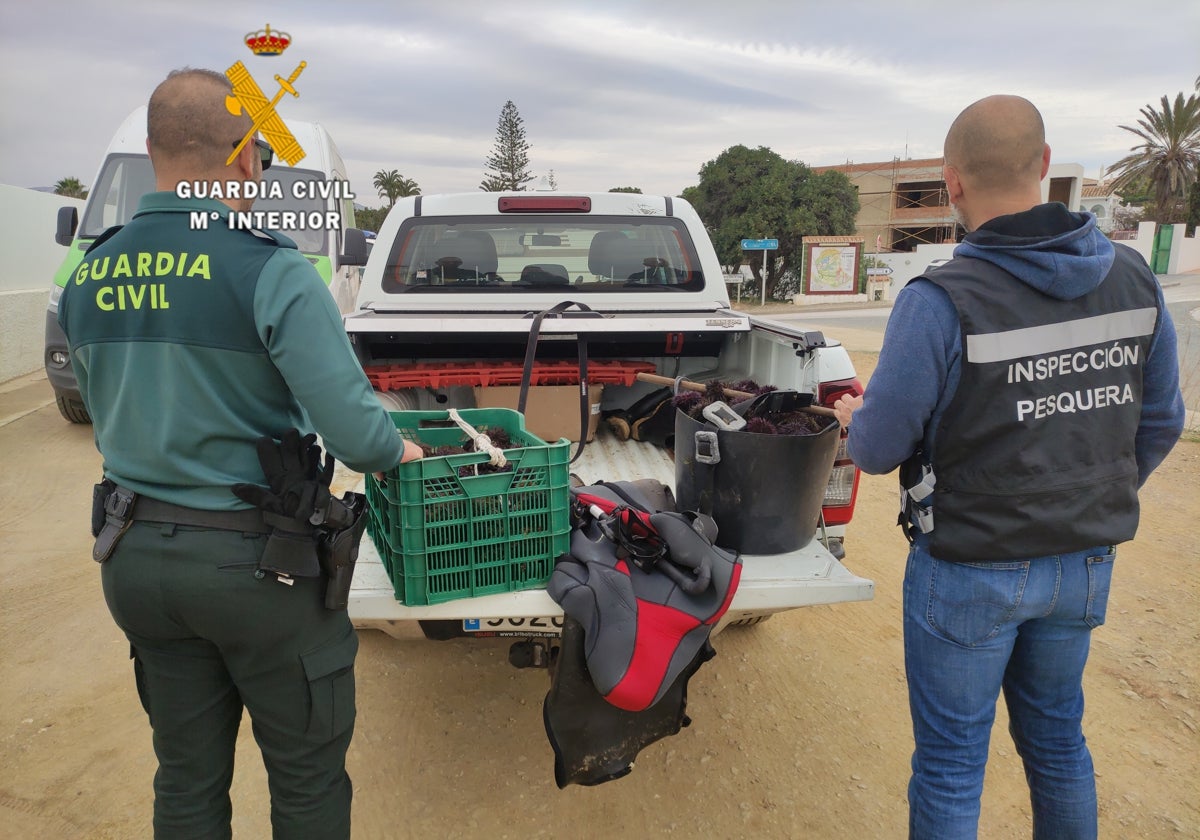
189 345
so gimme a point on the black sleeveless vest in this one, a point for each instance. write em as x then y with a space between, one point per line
1035 453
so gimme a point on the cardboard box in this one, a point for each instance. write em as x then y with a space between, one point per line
551 411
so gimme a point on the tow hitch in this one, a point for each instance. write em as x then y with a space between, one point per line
530 653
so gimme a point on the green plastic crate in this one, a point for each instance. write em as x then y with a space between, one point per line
444 535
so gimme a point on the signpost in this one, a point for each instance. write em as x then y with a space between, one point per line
766 246
760 244
876 277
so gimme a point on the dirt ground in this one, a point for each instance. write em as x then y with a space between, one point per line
800 729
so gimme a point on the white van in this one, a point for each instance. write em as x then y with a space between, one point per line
126 175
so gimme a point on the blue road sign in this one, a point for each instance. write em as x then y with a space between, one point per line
760 244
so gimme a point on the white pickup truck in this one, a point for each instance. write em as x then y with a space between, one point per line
457 279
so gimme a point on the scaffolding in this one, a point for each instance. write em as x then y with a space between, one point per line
913 209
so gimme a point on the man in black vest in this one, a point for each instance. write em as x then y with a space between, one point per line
1026 389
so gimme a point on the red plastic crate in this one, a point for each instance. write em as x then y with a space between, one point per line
445 374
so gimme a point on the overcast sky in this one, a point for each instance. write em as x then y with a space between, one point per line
614 93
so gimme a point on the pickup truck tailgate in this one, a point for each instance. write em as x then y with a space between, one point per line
805 577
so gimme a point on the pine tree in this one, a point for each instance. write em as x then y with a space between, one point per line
508 164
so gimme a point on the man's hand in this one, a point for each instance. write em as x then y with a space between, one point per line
412 451
845 407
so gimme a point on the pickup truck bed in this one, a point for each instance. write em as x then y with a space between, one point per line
459 279
804 577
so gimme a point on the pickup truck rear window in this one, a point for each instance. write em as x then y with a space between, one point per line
433 254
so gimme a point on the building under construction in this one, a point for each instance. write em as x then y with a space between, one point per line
903 203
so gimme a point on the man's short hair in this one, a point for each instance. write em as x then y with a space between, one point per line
997 143
187 120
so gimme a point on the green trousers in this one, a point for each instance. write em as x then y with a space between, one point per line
209 636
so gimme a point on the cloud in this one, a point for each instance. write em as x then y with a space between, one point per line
629 93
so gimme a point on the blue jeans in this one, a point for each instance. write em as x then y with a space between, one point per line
972 630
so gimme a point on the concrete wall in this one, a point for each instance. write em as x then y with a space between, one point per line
30 258
1185 252
1185 255
907 265
1144 243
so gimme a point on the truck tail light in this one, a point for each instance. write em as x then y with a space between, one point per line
842 489
545 204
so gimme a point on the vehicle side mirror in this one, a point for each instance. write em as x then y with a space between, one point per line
356 248
68 221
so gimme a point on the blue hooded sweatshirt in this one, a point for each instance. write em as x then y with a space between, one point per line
1057 252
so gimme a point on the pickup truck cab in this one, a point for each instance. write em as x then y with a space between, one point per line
458 279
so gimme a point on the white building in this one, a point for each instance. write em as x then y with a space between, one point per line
1098 199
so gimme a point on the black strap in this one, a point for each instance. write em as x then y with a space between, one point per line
909 474
705 475
704 469
906 526
585 403
108 234
152 510
535 330
617 490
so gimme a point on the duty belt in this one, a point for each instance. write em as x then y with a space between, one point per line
249 520
115 508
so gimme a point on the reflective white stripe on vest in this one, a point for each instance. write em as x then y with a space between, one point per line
1067 335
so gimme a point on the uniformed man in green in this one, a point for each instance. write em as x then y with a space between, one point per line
182 371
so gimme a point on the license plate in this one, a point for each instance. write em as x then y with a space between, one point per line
537 626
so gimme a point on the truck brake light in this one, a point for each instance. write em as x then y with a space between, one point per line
545 204
842 490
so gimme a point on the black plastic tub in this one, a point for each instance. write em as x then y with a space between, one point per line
764 491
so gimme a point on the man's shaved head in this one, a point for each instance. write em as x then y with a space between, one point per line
996 144
187 123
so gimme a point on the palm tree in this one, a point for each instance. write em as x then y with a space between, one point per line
408 187
388 184
392 185
71 188
1168 156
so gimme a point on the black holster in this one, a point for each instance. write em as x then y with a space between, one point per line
112 514
338 551
100 494
291 548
